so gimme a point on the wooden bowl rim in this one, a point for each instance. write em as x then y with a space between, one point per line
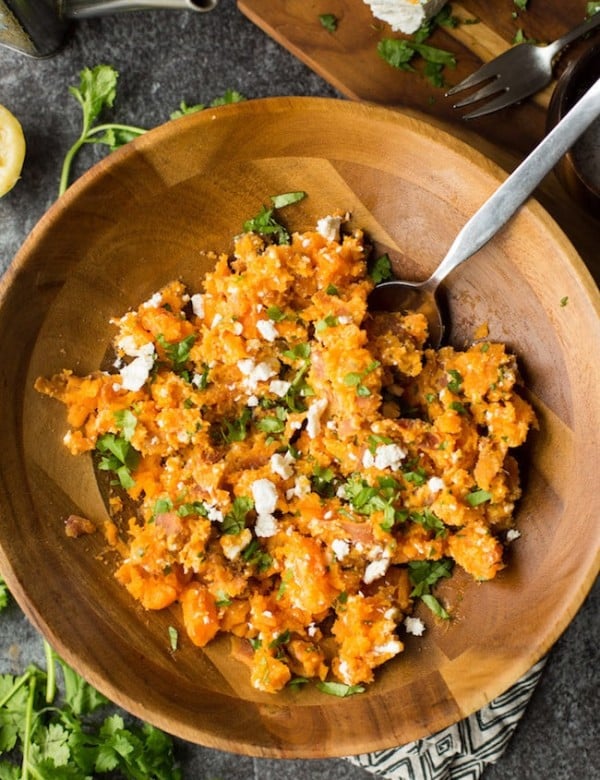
119 159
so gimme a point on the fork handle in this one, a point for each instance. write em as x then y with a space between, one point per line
581 29
515 190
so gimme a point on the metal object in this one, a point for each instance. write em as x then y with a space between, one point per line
38 27
489 218
518 73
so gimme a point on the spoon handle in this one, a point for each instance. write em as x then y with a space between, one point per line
515 190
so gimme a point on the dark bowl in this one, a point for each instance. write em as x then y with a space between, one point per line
579 170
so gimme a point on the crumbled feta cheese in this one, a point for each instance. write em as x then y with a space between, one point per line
375 570
512 534
279 387
137 372
214 514
252 401
313 417
386 456
237 328
405 15
264 494
216 320
256 373
198 305
282 464
393 647
301 488
329 227
153 302
266 525
414 626
341 548
435 484
267 330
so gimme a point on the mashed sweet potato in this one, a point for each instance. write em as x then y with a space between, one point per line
295 457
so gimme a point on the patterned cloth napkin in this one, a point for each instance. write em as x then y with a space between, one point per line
461 751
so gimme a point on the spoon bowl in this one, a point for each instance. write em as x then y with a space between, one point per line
397 295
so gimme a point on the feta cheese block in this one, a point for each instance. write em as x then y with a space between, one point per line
405 15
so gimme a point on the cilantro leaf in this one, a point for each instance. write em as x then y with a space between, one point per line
4 594
339 689
381 271
96 92
329 22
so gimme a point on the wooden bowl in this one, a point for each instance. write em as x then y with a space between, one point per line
140 218
579 169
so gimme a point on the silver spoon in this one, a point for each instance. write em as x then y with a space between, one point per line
397 295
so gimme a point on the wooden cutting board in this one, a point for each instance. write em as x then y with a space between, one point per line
348 59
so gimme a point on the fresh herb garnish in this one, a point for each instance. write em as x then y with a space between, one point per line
478 497
355 379
57 735
118 456
95 94
455 381
339 689
265 224
381 270
256 556
329 22
173 637
234 521
423 576
177 352
4 594
230 96
383 497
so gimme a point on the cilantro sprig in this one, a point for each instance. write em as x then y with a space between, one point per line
401 53
59 735
96 93
265 223
423 576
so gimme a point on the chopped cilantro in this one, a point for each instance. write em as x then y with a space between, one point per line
256 556
455 381
339 689
265 224
477 497
4 594
330 321
118 456
329 22
286 199
430 522
275 313
592 8
229 431
381 270
274 423
234 521
173 637
355 379
423 576
177 352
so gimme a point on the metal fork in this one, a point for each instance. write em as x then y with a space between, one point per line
519 72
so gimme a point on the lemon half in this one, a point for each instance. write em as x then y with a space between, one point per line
12 150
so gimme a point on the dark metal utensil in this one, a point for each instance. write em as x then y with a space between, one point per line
397 295
38 27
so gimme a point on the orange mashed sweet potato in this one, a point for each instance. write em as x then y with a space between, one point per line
296 460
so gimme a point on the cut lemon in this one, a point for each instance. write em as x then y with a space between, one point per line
12 150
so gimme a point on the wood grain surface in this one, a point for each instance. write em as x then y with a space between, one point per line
141 217
348 59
